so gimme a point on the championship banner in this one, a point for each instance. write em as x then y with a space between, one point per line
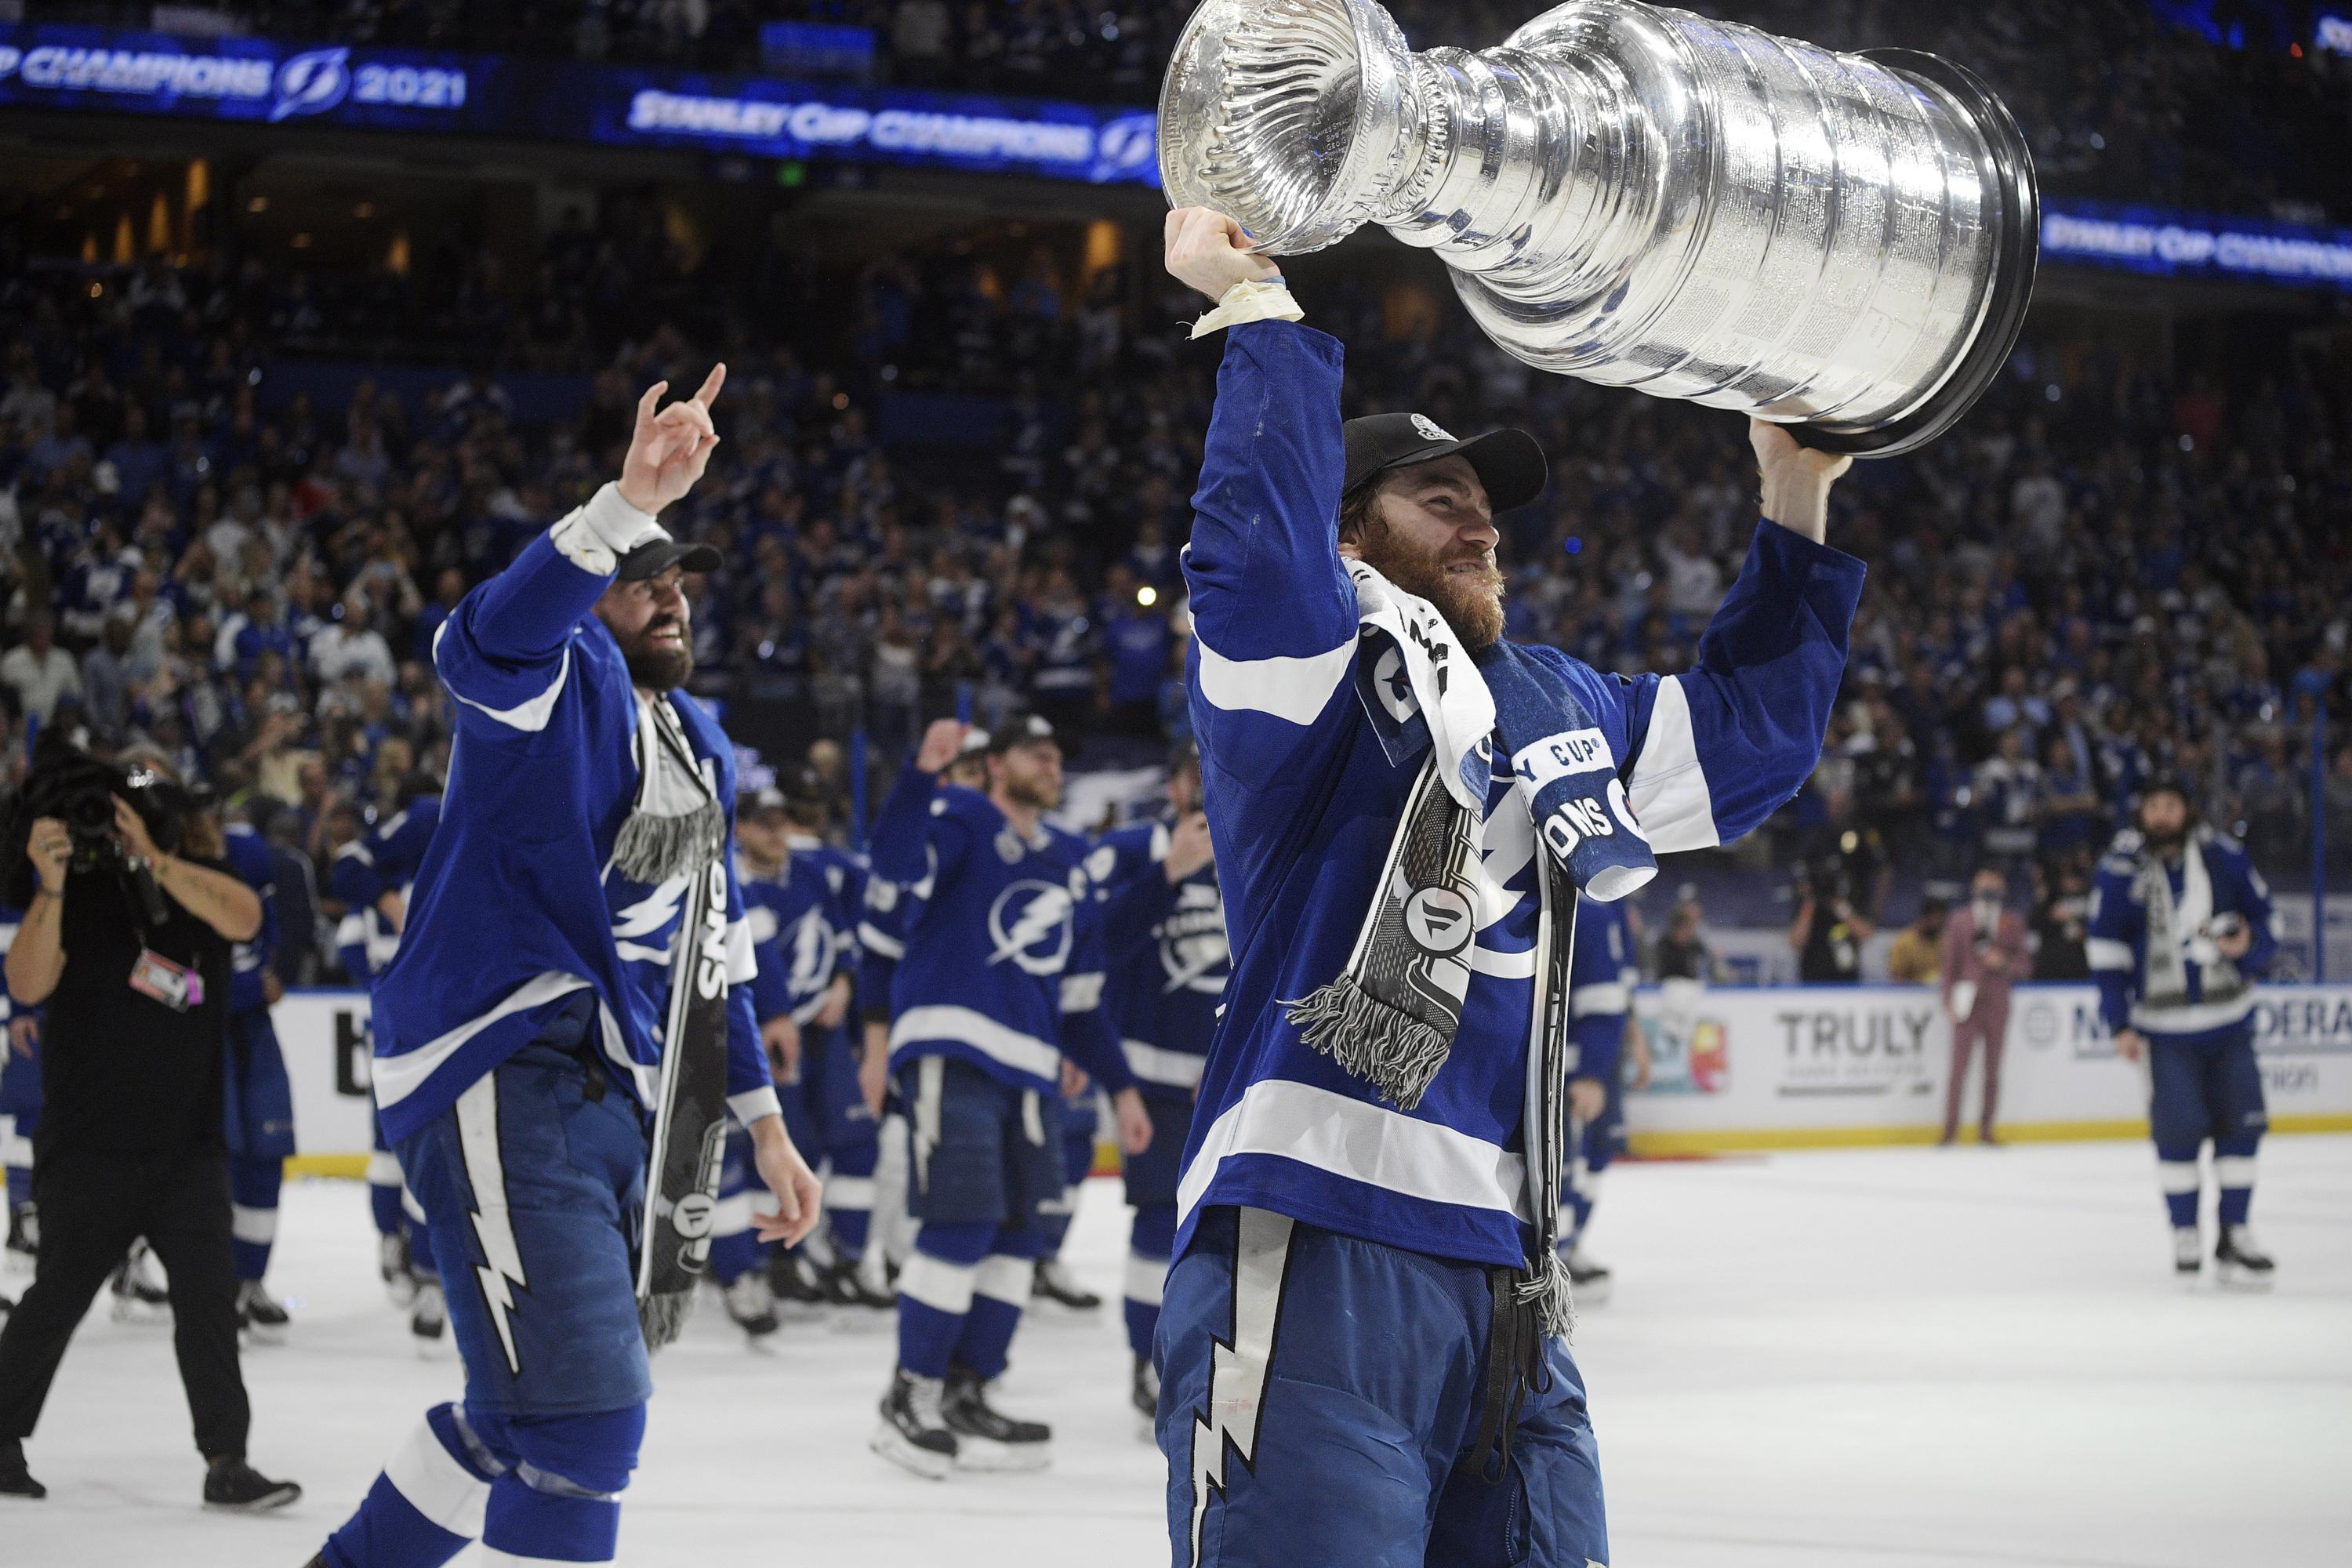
1799 1067
270 82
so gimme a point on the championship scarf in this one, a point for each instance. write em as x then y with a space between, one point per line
2176 931
679 830
1390 1016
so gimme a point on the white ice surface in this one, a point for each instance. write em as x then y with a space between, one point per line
1914 1358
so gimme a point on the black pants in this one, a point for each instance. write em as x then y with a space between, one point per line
93 1206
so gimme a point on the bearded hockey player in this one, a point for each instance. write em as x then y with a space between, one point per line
529 1022
1362 1344
1002 974
2180 930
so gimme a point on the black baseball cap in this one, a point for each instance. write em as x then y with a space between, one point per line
759 802
656 556
1508 462
1021 730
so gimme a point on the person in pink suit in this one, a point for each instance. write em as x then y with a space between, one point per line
1984 954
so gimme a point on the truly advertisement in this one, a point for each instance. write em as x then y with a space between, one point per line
1863 1059
271 82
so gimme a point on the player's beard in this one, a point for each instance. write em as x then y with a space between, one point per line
1471 601
1038 791
2167 844
659 667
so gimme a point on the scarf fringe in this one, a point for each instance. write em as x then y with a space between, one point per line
663 1316
1396 1053
1547 1286
653 849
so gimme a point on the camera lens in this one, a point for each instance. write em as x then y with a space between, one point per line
90 814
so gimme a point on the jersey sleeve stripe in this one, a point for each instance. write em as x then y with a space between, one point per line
1156 1065
1597 999
531 715
742 962
1358 1142
1294 689
2106 952
1668 790
754 1103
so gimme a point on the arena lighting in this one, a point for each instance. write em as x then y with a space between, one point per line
1147 595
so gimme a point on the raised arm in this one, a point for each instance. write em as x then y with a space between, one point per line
505 651
1718 749
1274 615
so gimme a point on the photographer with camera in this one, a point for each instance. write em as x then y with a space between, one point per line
130 911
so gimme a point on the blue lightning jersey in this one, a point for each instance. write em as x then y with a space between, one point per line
1168 956
1307 775
2217 993
1601 974
382 861
517 905
248 856
1003 964
796 924
845 881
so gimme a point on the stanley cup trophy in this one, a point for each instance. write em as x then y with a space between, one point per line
1640 197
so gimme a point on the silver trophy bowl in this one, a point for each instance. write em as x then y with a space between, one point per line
1642 197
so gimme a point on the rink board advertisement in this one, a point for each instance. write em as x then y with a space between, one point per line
1779 1067
1791 1067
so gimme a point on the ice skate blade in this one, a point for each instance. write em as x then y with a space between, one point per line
2229 1277
258 1334
1147 1428
892 1445
987 1456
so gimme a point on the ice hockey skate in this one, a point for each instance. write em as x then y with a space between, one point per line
987 1438
913 1432
2239 1260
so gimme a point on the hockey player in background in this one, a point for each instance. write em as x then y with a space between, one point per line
1001 975
255 1095
521 1030
372 877
20 1111
2180 930
848 1130
1164 933
779 912
1601 976
879 948
1362 1344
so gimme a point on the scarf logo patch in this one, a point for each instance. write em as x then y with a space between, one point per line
1438 921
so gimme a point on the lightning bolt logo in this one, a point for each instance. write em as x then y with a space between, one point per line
502 1268
1238 1371
1037 911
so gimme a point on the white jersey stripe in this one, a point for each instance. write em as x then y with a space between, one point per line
1156 1065
1294 689
1359 1142
1668 790
965 1026
397 1078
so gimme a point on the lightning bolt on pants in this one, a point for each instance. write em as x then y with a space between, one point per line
531 1186
1319 1394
